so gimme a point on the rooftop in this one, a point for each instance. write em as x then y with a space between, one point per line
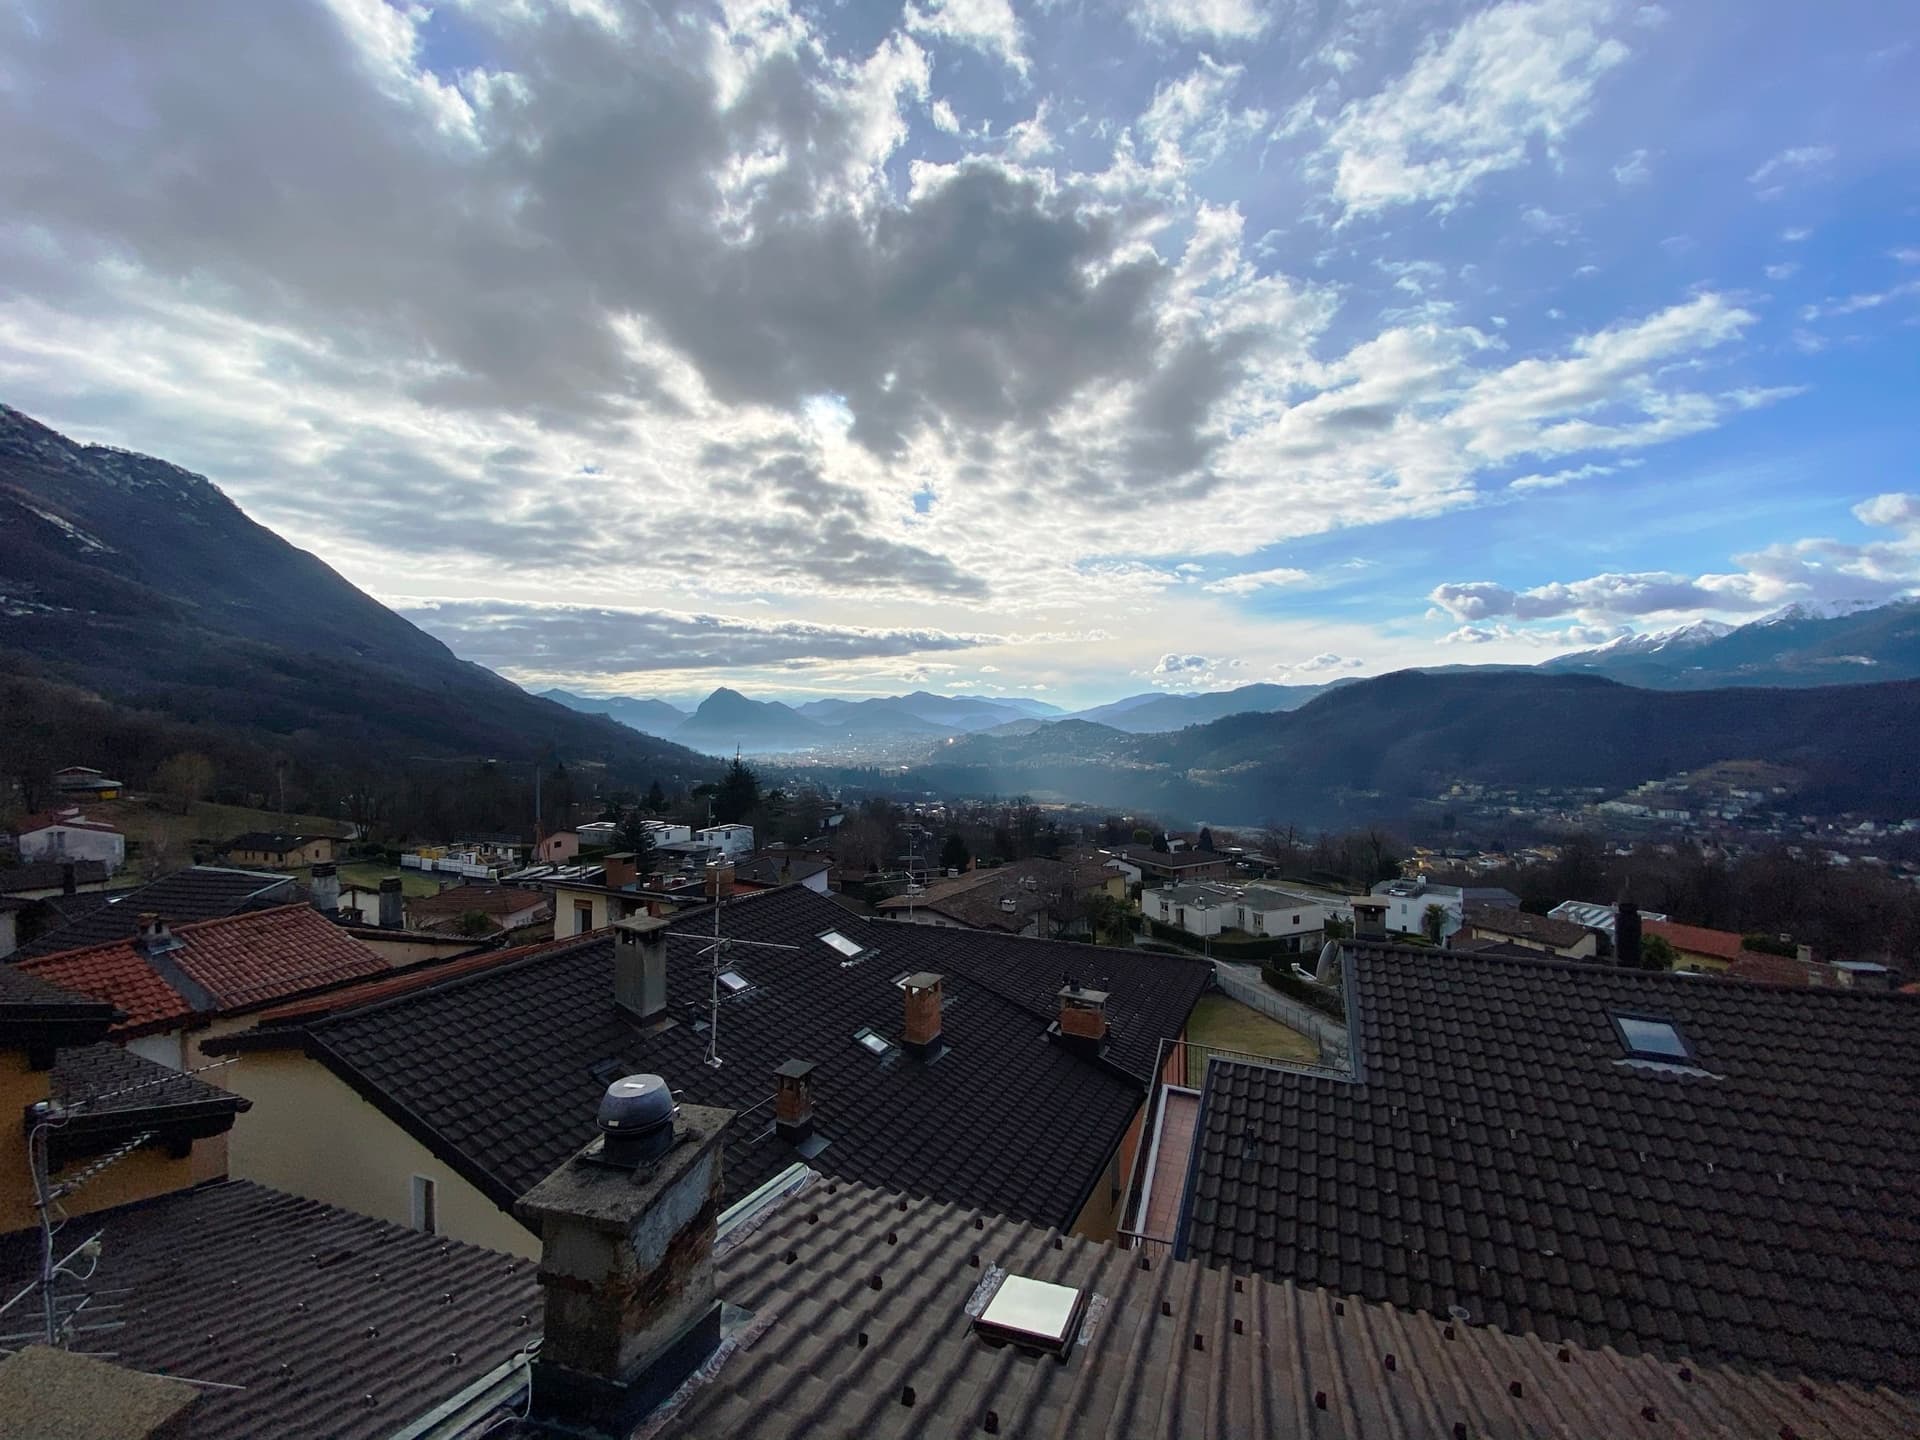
500 1070
311 1322
273 842
859 1323
1698 939
1165 860
200 892
219 967
778 869
1751 1198
974 898
1524 925
50 875
491 900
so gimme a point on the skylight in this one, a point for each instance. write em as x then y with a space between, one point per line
846 947
1032 1313
732 981
872 1042
1650 1037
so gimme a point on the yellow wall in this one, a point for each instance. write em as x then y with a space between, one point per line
1694 960
309 1133
20 1086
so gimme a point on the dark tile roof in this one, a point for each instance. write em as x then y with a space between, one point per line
1499 1152
221 966
50 875
1170 860
104 1077
333 1324
501 1071
1171 1350
779 869
201 892
18 987
273 842
1524 925
493 900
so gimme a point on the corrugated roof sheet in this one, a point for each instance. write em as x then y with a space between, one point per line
1503 1154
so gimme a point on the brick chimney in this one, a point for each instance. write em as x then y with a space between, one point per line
1626 935
622 871
1369 919
1083 1019
793 1101
392 904
922 1033
626 1263
640 967
325 886
719 880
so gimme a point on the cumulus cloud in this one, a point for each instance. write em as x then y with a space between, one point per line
988 26
1316 668
1509 77
1193 672
1252 580
1562 638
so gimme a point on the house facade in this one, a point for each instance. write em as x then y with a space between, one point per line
68 835
733 841
1262 911
281 851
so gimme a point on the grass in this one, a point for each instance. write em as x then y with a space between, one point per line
167 838
1225 1024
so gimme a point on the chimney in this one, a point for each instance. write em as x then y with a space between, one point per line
626 1260
69 879
153 936
1083 1019
793 1101
1369 919
325 885
640 967
719 880
1626 935
922 1034
622 870
392 904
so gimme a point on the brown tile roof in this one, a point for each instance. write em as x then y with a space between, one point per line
1524 925
26 825
1764 969
1166 1350
974 899
1723 944
328 1324
490 900
220 967
1499 1151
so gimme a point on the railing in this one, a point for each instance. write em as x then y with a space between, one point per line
1329 1033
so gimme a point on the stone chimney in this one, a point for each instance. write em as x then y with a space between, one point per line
393 905
622 871
325 885
720 880
640 967
1369 919
922 1033
1626 935
626 1263
1083 1019
793 1101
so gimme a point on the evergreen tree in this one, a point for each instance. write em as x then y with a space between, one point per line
953 854
656 800
738 794
1205 841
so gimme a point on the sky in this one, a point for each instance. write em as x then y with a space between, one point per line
1067 349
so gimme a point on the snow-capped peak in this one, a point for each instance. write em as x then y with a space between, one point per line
1683 637
1817 610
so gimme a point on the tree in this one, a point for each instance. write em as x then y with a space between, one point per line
656 800
184 778
1142 835
1433 921
1110 919
738 794
1205 842
1160 846
1657 953
953 854
635 835
474 923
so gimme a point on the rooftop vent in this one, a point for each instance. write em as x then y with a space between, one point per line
1033 1315
1008 904
636 1121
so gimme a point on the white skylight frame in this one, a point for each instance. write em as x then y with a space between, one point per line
1035 1314
733 982
872 1041
844 946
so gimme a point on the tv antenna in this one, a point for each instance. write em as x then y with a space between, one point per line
718 948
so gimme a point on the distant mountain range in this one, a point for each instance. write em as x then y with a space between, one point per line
1365 749
1802 645
142 583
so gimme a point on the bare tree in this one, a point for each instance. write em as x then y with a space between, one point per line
184 779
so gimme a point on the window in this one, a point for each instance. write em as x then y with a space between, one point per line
1649 1037
1032 1314
732 981
872 1042
582 916
849 948
424 1212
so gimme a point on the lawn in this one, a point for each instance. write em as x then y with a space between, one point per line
167 838
1224 1024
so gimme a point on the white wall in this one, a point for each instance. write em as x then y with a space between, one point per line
69 842
734 841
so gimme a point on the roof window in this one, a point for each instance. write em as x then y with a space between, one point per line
732 981
852 949
872 1041
1653 1037
1032 1314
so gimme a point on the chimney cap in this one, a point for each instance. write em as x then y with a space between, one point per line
795 1070
1073 992
921 980
643 926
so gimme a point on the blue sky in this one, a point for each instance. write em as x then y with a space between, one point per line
1067 350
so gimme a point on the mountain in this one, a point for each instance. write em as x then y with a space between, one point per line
142 583
650 717
921 713
1802 645
1367 748
1039 709
1158 711
727 720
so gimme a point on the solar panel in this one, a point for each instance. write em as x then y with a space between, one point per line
1033 1314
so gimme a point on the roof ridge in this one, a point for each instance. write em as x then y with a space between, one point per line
434 979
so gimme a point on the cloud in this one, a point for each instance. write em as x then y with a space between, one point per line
1253 580
1200 19
1472 105
988 26
1563 638
1633 170
1323 664
524 638
1854 304
1193 672
1798 159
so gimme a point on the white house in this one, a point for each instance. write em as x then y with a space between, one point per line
598 835
1205 908
1407 902
666 833
734 841
68 836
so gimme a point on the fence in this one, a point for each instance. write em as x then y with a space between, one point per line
1331 1034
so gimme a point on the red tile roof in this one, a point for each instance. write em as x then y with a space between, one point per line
73 820
239 962
1722 944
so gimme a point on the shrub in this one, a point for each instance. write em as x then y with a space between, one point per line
1323 998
